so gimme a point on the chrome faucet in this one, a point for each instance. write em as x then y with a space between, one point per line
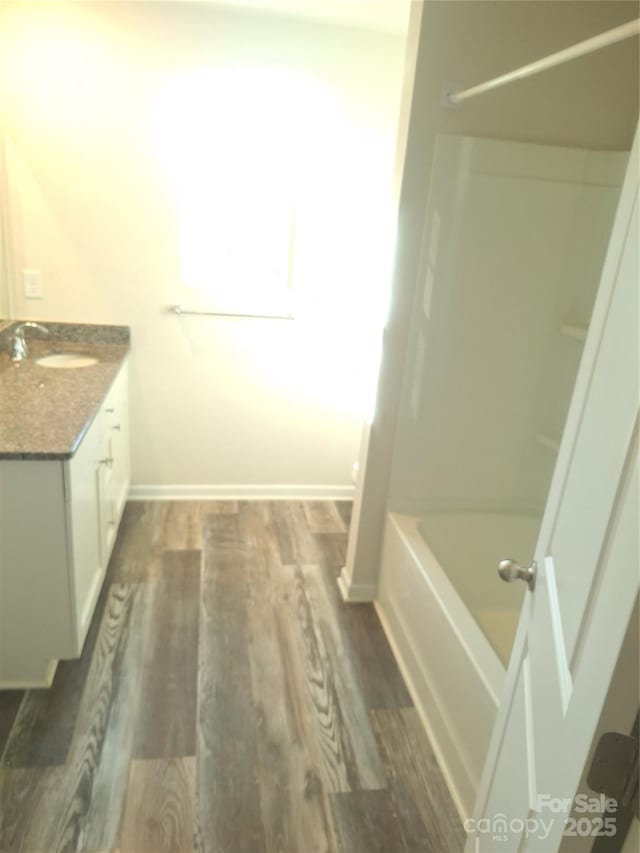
19 349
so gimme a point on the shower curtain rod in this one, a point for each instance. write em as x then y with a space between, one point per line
632 28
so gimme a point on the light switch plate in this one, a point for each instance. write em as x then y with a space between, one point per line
32 284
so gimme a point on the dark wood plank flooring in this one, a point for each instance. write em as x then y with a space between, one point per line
226 700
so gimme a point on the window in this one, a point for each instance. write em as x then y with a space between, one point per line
231 141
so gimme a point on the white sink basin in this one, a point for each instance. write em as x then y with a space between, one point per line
66 359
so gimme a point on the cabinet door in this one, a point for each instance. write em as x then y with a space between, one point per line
116 442
83 489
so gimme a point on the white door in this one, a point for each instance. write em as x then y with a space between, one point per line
573 622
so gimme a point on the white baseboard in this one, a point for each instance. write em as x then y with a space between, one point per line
240 492
356 592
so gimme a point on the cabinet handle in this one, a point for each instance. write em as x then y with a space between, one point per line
116 426
109 411
108 460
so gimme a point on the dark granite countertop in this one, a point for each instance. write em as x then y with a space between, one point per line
45 412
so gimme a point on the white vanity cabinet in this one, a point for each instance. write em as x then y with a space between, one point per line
58 523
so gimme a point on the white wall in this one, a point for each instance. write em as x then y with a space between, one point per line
5 308
592 102
223 402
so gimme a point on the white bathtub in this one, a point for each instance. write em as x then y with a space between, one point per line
449 629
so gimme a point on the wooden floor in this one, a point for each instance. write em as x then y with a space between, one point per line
226 700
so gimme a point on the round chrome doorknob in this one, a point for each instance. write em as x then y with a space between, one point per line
511 571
